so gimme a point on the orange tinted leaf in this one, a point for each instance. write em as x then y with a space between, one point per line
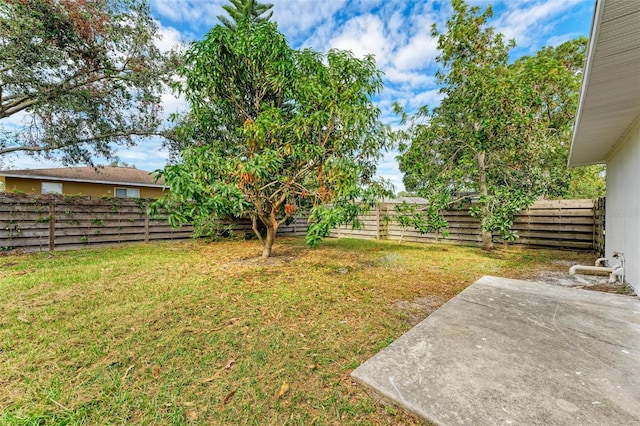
228 397
283 389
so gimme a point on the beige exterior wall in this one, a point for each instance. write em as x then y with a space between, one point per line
33 186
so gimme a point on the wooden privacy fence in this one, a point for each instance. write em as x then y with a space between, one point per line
58 222
55 222
568 224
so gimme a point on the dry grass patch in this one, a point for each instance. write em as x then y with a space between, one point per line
195 333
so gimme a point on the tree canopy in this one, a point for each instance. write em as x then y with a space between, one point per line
251 10
555 74
78 76
500 135
273 130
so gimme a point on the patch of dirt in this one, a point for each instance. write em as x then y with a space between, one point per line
587 282
617 288
420 307
273 260
558 274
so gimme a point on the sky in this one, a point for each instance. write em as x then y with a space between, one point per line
397 32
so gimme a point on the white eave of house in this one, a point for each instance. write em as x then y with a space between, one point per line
610 96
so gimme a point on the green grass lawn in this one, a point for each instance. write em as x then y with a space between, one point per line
196 333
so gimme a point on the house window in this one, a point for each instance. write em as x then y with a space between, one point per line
51 188
127 193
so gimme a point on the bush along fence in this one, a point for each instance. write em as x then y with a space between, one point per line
565 224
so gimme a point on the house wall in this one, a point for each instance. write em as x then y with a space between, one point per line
623 205
33 186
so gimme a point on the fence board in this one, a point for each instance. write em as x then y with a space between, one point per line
547 223
73 222
62 222
599 226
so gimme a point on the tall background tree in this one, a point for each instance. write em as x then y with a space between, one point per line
273 130
78 77
500 136
554 74
250 10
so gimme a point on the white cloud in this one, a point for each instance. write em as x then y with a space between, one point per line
409 79
174 104
431 97
388 169
364 35
19 119
298 18
190 12
170 38
561 38
21 161
148 154
527 21
396 25
420 52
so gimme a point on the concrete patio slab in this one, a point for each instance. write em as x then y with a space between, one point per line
507 352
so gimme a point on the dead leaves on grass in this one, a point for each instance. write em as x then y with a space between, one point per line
227 368
283 389
227 398
230 364
126 373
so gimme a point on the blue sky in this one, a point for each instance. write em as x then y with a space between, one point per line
396 32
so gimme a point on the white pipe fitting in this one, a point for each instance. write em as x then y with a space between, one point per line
602 261
575 268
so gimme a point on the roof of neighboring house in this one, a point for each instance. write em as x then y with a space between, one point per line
103 174
610 96
408 200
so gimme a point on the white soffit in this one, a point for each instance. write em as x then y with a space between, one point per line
610 96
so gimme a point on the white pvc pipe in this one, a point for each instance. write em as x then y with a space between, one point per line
614 273
601 261
618 271
575 268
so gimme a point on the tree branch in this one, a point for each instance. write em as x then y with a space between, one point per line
17 106
254 226
54 90
42 148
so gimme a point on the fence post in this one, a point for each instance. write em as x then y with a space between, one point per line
378 221
146 223
599 212
52 224
595 226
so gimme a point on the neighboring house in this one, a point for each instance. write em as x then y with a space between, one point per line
607 128
124 182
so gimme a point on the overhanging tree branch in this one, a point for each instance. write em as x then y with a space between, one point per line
43 148
67 74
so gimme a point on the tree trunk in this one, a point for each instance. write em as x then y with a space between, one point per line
487 243
267 242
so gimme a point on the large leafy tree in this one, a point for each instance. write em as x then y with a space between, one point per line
78 76
273 130
555 74
500 135
470 143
